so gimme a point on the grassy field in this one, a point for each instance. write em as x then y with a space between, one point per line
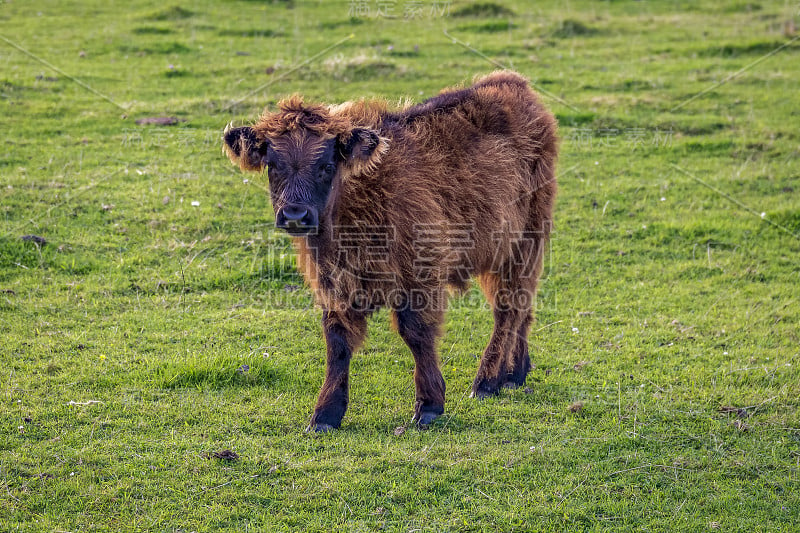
666 386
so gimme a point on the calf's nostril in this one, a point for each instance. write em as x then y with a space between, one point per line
295 213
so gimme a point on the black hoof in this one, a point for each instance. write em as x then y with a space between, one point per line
425 418
482 394
517 377
514 382
319 428
485 389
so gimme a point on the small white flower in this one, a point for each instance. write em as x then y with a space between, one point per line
663 199
574 330
763 215
597 162
724 353
245 181
195 203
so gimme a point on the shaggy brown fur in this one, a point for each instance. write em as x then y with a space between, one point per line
421 199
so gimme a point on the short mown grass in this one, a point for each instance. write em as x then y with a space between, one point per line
162 319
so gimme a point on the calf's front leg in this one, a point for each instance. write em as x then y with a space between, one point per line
344 333
420 331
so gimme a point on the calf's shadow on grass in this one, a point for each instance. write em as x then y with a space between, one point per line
537 402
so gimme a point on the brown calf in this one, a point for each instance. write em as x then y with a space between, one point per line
389 208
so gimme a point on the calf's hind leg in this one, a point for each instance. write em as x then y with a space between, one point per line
506 362
528 267
518 361
505 355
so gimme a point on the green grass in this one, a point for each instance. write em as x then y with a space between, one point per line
664 302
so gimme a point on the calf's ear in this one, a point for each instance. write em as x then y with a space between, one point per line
243 147
361 150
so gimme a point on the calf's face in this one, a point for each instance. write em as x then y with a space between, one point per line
303 168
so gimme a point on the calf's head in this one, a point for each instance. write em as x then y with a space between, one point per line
308 150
